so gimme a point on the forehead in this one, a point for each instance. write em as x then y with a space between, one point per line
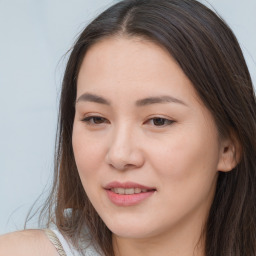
120 64
125 51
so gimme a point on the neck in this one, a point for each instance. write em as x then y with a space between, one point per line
187 241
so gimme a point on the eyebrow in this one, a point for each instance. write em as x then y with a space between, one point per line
159 99
143 102
93 98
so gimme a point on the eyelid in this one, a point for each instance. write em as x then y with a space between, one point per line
88 118
169 120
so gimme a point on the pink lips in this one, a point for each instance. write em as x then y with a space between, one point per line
128 199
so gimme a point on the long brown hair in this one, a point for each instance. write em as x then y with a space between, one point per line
209 54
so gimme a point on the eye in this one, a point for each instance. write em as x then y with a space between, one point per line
95 120
160 121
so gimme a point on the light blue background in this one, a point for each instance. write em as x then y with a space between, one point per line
34 36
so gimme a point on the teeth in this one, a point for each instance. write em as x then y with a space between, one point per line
119 190
137 190
127 191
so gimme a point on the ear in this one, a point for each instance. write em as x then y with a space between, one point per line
230 153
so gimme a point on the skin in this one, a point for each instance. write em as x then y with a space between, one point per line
171 146
26 243
135 142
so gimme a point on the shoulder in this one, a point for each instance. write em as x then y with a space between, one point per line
27 242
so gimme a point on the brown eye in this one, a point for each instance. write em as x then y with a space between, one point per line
160 121
94 120
98 120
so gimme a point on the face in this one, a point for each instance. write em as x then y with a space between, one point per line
146 148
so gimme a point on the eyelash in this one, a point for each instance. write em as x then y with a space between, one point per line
88 120
92 120
165 120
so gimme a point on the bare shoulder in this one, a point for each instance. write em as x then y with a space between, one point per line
28 242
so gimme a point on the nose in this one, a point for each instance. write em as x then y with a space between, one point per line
124 151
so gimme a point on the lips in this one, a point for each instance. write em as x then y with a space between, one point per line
128 193
126 186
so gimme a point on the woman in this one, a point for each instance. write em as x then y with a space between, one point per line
157 139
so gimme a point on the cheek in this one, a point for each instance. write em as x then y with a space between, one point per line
88 152
189 156
186 168
89 157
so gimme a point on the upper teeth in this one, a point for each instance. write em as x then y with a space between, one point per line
128 191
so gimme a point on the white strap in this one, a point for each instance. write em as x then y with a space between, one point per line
63 248
55 241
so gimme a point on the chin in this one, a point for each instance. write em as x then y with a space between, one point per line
128 230
132 234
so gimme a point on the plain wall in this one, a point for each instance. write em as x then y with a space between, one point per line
34 37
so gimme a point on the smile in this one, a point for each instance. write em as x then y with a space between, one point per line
128 191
